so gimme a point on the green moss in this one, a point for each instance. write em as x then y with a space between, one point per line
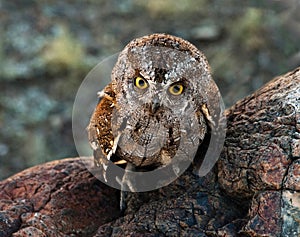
63 53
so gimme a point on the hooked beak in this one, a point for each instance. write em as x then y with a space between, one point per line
155 105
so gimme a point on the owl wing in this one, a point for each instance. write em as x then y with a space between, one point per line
100 135
216 119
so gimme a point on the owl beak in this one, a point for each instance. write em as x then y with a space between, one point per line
155 105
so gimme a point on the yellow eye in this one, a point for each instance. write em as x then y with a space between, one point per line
176 89
140 83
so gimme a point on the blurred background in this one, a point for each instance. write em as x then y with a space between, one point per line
48 47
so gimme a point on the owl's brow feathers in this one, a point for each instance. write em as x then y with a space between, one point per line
169 41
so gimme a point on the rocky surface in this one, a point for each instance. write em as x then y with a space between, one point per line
48 47
252 191
60 198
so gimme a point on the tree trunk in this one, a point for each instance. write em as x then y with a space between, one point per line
254 190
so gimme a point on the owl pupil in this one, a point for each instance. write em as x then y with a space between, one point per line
141 83
176 89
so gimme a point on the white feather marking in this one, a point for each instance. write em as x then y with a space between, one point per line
114 148
101 94
104 166
94 145
177 139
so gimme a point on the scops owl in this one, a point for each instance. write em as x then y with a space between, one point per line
159 107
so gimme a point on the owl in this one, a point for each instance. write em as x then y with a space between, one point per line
157 110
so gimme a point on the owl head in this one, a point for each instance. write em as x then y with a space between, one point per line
161 70
164 100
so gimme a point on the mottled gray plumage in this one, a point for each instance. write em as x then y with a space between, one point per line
156 105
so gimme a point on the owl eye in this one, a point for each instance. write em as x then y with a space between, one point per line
176 89
140 83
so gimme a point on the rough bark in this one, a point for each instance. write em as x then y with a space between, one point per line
254 190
